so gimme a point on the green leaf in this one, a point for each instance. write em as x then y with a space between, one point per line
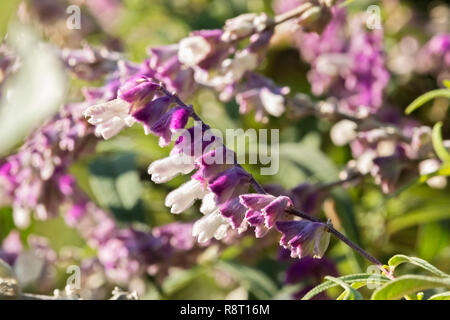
301 161
438 145
347 217
7 9
255 281
350 293
349 279
115 183
400 258
355 285
408 284
431 240
440 296
427 214
417 103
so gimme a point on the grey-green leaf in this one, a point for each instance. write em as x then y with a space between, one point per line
349 279
441 296
417 103
400 258
438 144
408 284
350 293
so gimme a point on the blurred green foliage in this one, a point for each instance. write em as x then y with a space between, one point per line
415 222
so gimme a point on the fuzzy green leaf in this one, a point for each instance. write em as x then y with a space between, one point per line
349 279
420 101
408 284
400 258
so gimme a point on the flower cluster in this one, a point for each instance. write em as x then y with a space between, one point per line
219 181
434 57
392 151
214 58
350 67
128 253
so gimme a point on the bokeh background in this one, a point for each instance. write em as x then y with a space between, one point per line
415 220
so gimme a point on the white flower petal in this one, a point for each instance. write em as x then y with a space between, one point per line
184 197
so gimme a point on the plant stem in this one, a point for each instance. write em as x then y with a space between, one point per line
291 14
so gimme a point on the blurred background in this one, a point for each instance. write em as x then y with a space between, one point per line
414 220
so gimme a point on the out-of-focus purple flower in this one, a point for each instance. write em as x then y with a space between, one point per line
307 197
386 170
261 95
243 26
434 57
304 238
178 235
203 49
127 252
11 247
348 67
89 63
35 179
105 11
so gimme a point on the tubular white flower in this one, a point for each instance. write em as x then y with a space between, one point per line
213 225
184 197
21 217
109 117
166 169
343 132
208 204
235 68
273 103
192 50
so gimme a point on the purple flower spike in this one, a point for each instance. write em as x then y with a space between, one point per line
270 208
230 184
169 123
235 211
160 55
152 112
275 210
212 163
138 91
256 219
256 201
304 238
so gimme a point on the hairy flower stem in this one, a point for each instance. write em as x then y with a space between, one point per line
259 189
291 14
